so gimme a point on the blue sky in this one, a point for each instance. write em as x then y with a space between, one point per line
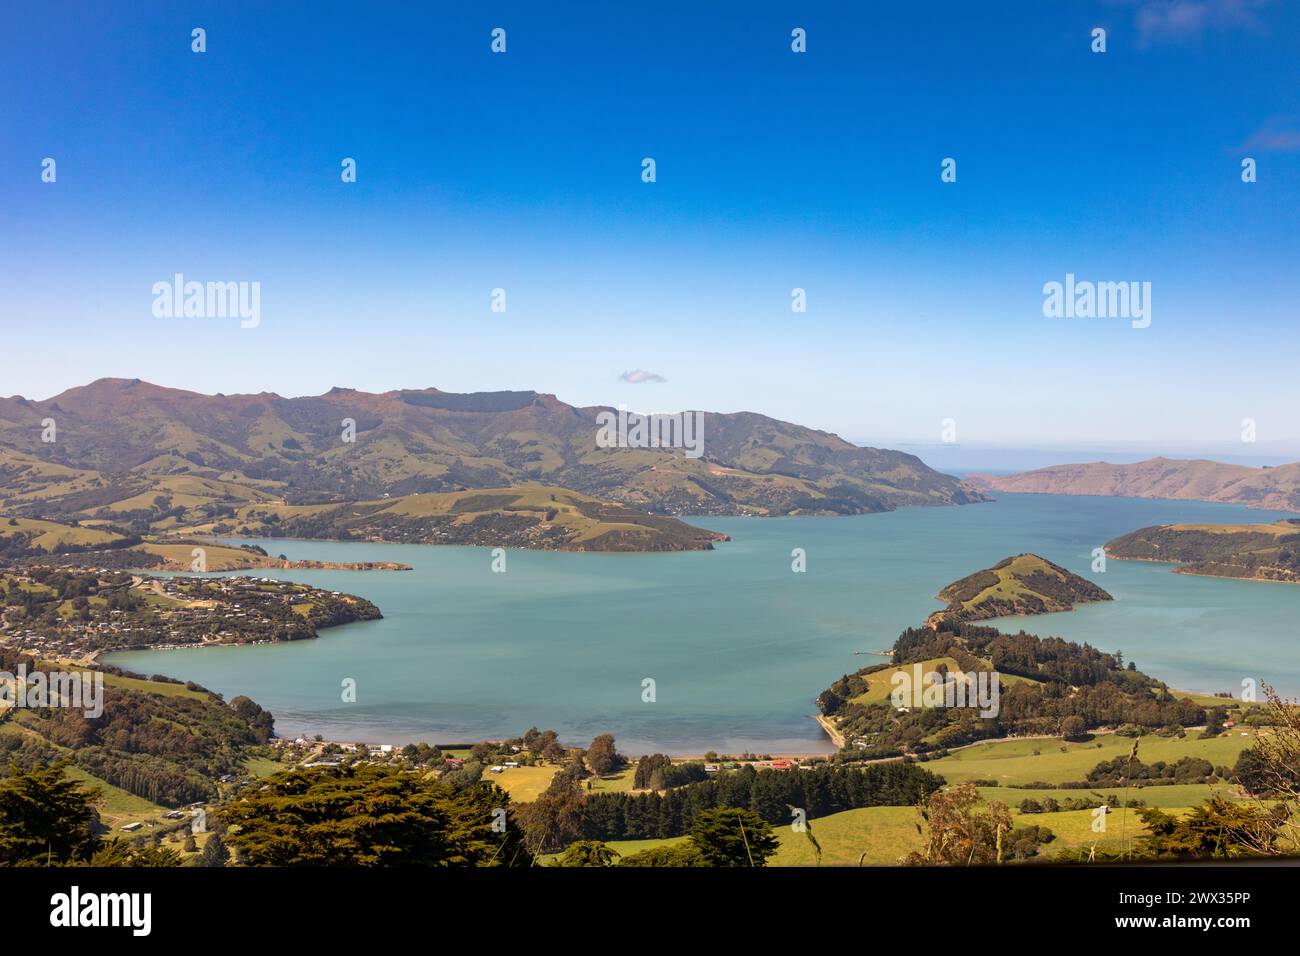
775 170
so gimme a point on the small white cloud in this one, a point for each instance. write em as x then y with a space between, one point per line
1177 20
1274 139
640 376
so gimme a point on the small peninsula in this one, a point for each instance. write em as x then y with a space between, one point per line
58 612
1258 552
1023 584
540 517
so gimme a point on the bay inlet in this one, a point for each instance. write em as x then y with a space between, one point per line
736 643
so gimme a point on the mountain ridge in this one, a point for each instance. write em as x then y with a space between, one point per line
426 440
1202 479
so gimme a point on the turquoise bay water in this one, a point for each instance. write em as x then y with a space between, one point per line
737 644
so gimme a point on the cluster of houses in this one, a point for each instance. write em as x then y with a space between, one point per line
65 637
194 811
371 750
780 764
380 751
235 600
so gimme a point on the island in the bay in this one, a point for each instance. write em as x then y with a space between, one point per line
1021 584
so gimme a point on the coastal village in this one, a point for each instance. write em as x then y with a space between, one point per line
77 613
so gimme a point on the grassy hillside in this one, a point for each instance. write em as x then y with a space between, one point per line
124 443
152 745
32 541
1056 761
880 836
1023 584
1031 687
880 683
524 784
29 478
1264 552
531 516
53 537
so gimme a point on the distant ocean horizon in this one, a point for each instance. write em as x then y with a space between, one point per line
737 645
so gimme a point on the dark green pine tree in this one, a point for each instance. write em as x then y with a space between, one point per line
45 818
215 852
732 836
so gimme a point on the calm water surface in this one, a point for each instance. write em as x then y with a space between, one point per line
737 644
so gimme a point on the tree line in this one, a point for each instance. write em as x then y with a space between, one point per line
772 794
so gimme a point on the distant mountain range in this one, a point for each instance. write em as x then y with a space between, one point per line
1198 480
156 459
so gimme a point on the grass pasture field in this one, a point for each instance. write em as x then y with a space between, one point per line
141 684
1074 828
878 836
524 784
628 847
1209 700
621 780
217 557
881 836
262 767
1166 798
116 806
880 683
50 534
870 836
165 688
1050 760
